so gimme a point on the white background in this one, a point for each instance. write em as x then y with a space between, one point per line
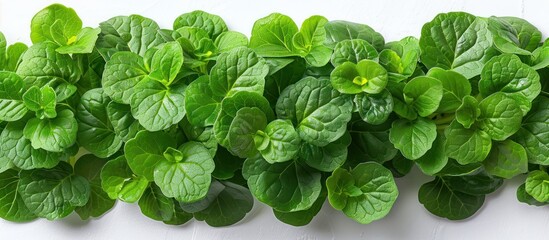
502 216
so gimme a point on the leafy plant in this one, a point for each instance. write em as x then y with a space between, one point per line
196 121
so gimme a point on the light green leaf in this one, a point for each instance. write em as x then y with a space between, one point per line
230 40
537 185
413 138
41 100
55 23
506 160
454 88
186 178
166 62
119 182
212 24
337 31
146 150
277 142
55 134
424 94
326 158
468 112
365 194
365 76
500 116
467 145
353 50
244 126
272 36
83 42
12 107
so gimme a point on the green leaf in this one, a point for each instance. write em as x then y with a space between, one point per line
500 116
244 126
309 41
277 142
537 185
505 36
53 193
370 142
12 206
41 65
212 24
435 159
12 107
89 166
468 112
83 42
479 183
132 33
303 217
230 40
506 73
187 178
528 35
42 101
506 160
229 206
14 53
3 52
327 158
534 133
156 205
16 150
353 50
319 112
122 73
374 108
156 106
146 151
442 200
238 70
413 138
424 94
454 88
55 23
95 132
55 134
456 41
365 194
365 76
229 108
202 135
453 168
226 164
122 121
338 31
119 182
524 197
272 36
166 62
400 58
467 145
287 187
201 105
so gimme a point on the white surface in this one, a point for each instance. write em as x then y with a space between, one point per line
502 216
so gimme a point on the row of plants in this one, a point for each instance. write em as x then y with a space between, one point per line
196 121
